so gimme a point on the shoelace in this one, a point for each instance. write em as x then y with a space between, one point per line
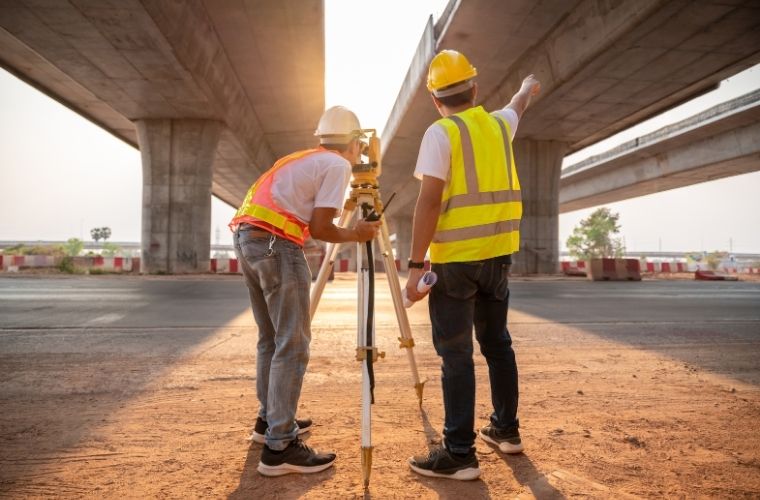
300 444
437 454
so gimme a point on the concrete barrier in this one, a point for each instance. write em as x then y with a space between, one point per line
224 266
665 267
713 276
614 270
108 264
17 262
573 268
97 262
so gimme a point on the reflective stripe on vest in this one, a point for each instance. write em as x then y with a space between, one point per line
259 206
482 204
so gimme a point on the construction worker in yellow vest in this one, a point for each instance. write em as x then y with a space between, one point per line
299 196
468 215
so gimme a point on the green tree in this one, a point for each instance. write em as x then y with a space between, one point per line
595 236
73 247
100 233
110 249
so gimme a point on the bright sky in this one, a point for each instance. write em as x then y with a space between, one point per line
60 175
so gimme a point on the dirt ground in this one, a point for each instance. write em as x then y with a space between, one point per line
600 419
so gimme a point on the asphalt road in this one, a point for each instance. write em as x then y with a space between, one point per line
679 318
94 301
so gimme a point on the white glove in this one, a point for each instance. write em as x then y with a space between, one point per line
426 283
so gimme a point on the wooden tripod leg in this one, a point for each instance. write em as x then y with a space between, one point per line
406 340
327 265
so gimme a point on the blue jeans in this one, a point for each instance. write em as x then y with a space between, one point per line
473 294
278 284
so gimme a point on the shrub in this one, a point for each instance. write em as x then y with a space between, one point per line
67 265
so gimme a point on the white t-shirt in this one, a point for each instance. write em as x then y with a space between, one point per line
434 158
315 181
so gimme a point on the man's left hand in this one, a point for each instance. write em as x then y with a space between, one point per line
411 285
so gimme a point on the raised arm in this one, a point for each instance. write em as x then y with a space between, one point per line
521 100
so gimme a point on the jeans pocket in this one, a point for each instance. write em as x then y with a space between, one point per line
458 280
501 290
254 249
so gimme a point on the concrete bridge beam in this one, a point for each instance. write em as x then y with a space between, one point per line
538 165
177 159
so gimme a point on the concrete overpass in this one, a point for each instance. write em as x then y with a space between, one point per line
604 66
719 142
212 93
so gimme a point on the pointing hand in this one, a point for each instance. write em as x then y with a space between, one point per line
531 82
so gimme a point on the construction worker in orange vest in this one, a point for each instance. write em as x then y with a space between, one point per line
299 196
468 215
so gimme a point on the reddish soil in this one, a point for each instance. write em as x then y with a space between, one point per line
599 419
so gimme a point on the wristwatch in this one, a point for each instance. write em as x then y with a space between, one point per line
416 265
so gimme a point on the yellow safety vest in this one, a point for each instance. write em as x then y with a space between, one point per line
481 205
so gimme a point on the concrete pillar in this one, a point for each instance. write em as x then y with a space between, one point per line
402 227
538 167
177 160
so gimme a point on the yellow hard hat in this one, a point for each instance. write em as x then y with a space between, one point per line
448 68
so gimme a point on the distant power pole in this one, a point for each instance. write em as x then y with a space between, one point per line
659 244
730 245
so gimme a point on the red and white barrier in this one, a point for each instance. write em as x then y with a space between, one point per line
19 261
132 264
224 266
111 264
573 268
615 270
666 267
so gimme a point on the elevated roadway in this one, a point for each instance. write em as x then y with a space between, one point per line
719 142
604 66
211 92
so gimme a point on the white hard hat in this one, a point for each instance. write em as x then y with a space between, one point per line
338 125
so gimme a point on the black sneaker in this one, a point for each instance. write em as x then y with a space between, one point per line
297 457
260 429
440 462
507 440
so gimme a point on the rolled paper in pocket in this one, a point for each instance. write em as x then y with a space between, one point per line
426 283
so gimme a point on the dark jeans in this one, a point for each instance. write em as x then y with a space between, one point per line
473 294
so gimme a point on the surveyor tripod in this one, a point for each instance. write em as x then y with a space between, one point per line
365 197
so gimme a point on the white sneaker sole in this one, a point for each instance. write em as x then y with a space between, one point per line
503 447
460 475
281 470
261 439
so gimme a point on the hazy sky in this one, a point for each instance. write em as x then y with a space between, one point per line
60 175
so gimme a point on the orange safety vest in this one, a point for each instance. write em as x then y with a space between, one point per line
259 208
